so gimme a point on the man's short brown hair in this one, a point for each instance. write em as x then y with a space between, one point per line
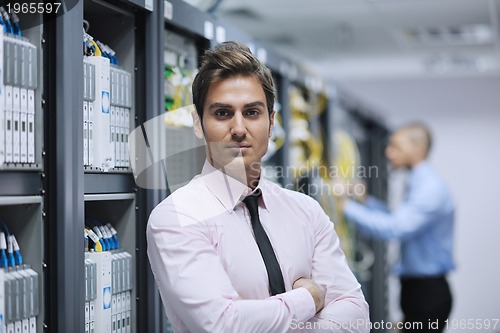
227 60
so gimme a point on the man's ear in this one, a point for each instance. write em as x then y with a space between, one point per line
198 129
421 151
271 123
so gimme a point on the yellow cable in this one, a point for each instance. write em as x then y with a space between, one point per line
98 245
97 52
346 163
280 139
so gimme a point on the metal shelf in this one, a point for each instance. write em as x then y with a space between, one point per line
16 183
188 18
109 197
23 216
20 167
20 200
108 183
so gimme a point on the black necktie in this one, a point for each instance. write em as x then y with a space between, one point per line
274 274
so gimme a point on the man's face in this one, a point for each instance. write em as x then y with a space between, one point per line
236 122
400 150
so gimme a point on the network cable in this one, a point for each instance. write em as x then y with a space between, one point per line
17 251
97 51
90 46
15 24
104 241
11 261
111 239
108 52
14 256
3 251
7 25
109 233
115 235
91 226
104 51
105 233
86 240
94 241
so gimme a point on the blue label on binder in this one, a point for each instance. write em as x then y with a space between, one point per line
105 102
106 298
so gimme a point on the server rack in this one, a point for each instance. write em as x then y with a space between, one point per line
370 135
22 190
75 192
287 76
283 85
372 148
274 158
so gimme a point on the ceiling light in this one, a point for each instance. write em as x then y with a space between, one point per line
399 0
472 34
456 63
202 4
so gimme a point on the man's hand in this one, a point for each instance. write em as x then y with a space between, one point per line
316 292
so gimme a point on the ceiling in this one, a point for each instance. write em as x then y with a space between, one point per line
394 56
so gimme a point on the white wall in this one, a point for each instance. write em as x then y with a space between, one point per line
467 155
464 116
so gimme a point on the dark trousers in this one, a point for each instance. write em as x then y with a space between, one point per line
426 301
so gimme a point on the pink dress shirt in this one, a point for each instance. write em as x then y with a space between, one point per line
211 275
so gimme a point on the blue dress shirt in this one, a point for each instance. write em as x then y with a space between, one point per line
423 223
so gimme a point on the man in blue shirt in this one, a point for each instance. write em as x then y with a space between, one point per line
424 225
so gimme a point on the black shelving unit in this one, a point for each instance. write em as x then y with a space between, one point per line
74 192
22 181
370 134
372 150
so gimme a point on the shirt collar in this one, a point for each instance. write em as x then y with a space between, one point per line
229 191
265 193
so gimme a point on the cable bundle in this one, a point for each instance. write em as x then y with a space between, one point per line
101 237
107 52
93 47
10 253
10 22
